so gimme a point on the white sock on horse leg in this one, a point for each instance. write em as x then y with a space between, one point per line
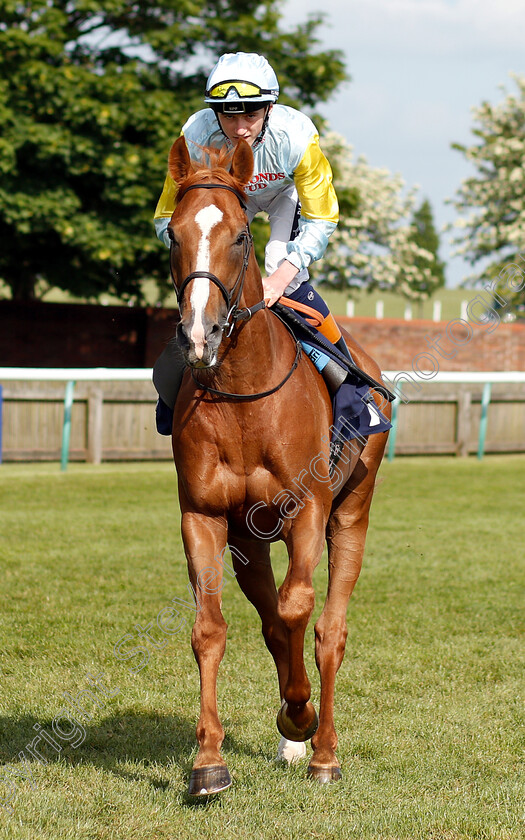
290 751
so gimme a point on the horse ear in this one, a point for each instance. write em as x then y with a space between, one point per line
242 162
179 161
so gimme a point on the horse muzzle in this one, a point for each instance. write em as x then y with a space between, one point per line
199 347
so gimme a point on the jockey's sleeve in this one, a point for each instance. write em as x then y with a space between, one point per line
165 208
319 207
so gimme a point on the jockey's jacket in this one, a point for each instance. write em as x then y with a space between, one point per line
289 167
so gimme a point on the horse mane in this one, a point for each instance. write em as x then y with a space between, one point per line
213 166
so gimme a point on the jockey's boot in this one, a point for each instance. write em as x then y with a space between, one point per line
341 346
315 310
163 417
167 378
331 331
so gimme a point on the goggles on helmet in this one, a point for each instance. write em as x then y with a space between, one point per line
242 89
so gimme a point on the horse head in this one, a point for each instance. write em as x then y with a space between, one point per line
210 245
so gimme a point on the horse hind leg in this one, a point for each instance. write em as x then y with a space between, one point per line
330 641
297 718
346 534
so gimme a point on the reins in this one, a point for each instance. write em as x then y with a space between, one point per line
235 313
258 396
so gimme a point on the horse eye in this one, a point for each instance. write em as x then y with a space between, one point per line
171 236
240 239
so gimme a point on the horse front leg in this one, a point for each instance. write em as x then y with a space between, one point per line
255 578
204 538
297 718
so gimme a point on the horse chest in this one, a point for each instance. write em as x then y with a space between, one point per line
227 468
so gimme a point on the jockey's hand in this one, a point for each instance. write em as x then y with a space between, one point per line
276 283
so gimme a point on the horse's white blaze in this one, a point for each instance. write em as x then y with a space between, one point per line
206 219
290 751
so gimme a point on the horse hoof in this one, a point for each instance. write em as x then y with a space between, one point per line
325 775
290 730
207 780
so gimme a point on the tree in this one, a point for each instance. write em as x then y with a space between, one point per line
425 236
491 202
374 245
91 97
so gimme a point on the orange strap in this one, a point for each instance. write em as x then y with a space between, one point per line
326 325
315 319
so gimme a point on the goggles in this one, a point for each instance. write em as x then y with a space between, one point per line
242 89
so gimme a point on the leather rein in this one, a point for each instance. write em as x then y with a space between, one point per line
235 313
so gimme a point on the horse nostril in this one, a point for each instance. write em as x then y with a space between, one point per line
215 329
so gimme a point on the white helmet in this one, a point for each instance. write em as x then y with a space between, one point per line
241 82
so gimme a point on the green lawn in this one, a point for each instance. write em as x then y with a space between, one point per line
394 304
429 696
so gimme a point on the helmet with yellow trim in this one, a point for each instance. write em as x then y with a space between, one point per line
240 83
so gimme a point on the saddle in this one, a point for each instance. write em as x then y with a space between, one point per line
355 413
302 321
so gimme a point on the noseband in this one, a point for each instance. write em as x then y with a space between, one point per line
234 312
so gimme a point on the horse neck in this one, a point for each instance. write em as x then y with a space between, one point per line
254 351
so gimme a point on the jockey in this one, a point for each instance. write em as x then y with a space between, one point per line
292 180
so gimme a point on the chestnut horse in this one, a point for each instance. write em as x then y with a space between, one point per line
243 465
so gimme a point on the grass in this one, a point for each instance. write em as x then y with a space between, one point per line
429 704
395 304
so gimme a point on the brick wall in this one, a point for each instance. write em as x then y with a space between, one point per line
82 335
64 335
453 345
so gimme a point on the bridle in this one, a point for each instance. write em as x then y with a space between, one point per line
235 313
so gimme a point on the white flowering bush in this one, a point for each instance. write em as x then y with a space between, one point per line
372 246
491 203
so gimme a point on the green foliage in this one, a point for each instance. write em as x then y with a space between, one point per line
260 228
92 96
425 236
491 227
